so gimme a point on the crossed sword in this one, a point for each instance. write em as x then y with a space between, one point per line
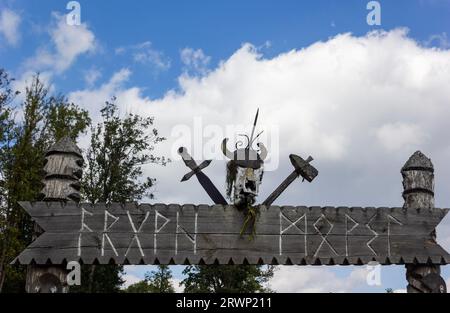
302 168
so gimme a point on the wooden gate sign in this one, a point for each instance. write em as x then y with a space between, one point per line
189 234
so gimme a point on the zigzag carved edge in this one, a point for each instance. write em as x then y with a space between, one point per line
358 261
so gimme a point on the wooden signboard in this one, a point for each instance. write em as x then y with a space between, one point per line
188 234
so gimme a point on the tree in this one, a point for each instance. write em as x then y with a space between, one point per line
226 278
7 95
139 287
23 147
158 281
119 147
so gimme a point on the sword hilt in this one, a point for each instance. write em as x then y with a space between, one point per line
206 183
187 159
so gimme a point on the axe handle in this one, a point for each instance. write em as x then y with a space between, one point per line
274 195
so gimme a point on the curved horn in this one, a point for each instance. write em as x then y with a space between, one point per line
263 151
225 150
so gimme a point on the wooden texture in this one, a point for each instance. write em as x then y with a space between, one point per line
188 234
418 185
204 180
63 170
301 168
281 188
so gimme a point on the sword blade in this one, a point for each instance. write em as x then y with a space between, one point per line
210 189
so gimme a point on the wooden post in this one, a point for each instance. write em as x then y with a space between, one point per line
418 185
63 170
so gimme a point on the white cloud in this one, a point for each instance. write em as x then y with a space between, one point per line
359 105
294 279
129 280
93 99
144 54
176 285
195 61
68 43
91 76
9 26
439 40
25 80
400 136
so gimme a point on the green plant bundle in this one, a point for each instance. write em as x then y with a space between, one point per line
251 216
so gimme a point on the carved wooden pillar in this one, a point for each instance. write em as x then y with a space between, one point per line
63 170
418 185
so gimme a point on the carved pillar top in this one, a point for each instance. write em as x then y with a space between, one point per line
63 171
418 182
418 185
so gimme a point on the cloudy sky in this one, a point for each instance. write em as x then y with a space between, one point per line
360 99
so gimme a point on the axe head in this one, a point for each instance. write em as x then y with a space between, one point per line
304 168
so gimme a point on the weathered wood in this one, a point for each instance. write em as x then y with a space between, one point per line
152 234
204 180
63 171
281 188
418 184
301 168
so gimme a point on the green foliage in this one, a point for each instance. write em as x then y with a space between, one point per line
119 147
158 281
99 279
226 278
139 287
66 119
251 215
7 95
23 146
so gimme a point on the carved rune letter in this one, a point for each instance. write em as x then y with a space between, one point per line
105 232
158 229
190 237
84 227
293 225
324 237
136 231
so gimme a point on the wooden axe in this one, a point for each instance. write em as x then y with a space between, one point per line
301 168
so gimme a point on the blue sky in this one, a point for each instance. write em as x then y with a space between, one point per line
143 44
217 27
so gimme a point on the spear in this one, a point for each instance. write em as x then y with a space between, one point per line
254 126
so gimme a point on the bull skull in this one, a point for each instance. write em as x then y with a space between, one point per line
244 170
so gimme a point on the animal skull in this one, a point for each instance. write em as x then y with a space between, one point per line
244 173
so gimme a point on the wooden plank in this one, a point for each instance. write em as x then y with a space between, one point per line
159 233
